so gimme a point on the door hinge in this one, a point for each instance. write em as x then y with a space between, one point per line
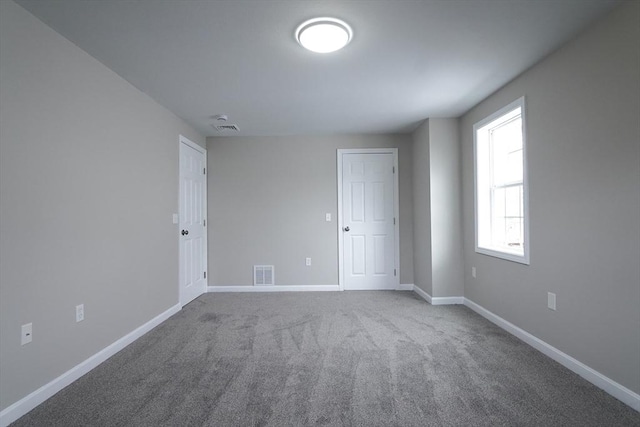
204 171
393 169
205 274
204 222
394 221
394 272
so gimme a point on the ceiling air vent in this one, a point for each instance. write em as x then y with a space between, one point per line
263 275
223 128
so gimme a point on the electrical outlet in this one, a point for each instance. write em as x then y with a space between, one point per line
308 262
551 301
26 334
79 313
473 272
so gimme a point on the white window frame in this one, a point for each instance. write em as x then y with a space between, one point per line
486 249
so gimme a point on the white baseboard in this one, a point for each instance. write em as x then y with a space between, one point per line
438 300
281 288
447 300
274 288
618 391
425 296
27 403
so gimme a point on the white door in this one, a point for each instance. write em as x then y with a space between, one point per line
193 214
368 213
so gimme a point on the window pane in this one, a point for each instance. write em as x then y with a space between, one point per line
506 152
507 223
498 231
509 135
513 170
513 201
498 207
498 164
514 234
498 217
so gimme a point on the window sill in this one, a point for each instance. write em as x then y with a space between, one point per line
521 259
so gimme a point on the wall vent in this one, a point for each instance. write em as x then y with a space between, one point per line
263 275
222 128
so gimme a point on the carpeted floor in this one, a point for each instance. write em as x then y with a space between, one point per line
329 359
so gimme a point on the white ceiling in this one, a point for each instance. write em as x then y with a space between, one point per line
409 60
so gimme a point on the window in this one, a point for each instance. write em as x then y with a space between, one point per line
501 184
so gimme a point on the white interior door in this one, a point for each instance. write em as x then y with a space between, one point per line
193 214
368 219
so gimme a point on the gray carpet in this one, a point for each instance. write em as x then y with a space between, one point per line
329 359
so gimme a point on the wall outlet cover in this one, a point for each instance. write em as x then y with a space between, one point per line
79 313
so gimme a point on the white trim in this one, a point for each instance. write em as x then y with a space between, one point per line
447 300
274 288
405 287
184 140
525 258
425 296
437 300
616 390
396 207
396 212
339 222
27 403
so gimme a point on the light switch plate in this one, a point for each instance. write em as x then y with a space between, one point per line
175 218
327 217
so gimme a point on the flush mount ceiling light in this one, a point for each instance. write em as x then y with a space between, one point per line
324 35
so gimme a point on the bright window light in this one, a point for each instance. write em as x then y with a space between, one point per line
501 185
324 35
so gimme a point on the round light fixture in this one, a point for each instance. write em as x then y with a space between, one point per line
324 35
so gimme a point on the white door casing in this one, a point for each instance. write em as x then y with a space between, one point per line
193 214
368 210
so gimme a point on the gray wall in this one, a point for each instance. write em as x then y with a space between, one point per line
583 118
437 244
422 209
268 197
446 204
88 184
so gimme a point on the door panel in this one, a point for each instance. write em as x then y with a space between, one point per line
358 257
380 254
357 202
368 233
192 223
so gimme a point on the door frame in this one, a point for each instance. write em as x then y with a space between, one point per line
184 140
396 208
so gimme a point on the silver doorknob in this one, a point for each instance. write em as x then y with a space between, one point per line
346 228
